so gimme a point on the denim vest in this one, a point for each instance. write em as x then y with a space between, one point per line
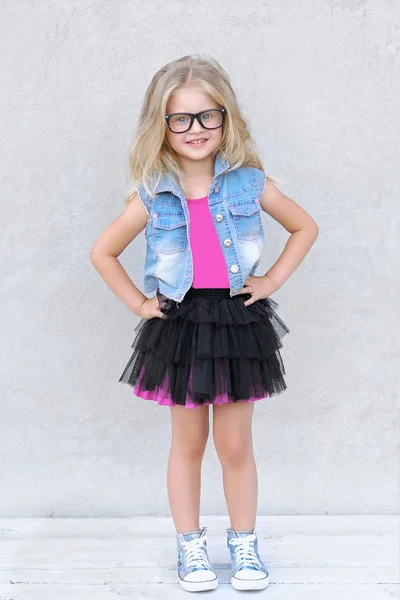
234 204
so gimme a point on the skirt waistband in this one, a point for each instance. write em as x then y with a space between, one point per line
209 292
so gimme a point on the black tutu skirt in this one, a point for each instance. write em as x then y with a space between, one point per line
208 349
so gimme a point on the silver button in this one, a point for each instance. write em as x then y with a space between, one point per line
234 268
219 218
216 189
227 242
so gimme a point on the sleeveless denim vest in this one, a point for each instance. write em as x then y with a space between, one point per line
234 203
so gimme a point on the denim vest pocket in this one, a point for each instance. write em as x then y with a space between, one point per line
247 218
169 232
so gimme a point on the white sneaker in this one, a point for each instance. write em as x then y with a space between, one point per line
194 570
248 570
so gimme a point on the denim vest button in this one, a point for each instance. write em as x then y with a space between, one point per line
216 189
227 242
234 268
219 218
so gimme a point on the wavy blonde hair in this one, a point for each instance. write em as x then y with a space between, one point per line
149 153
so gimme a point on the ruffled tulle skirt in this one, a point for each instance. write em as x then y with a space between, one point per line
208 349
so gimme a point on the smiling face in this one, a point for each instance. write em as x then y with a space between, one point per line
191 99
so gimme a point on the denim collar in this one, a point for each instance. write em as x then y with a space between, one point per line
166 184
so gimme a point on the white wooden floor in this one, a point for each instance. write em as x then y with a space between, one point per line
321 557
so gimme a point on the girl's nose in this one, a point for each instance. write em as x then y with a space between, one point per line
196 126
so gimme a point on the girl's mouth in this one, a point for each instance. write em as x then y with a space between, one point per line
197 143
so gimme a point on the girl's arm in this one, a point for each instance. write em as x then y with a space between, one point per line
296 221
111 244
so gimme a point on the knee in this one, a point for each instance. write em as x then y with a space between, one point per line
191 445
233 452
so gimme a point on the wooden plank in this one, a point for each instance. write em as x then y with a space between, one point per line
152 553
278 524
100 574
174 592
138 526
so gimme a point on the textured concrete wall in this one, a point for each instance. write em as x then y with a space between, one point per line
318 81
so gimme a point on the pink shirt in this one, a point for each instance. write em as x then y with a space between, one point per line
208 259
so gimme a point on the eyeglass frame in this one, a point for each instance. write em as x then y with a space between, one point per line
196 116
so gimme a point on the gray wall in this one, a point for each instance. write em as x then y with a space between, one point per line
318 82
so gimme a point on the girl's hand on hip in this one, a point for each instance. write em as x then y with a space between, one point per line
259 286
151 308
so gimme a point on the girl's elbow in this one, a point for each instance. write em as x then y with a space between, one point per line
314 228
95 256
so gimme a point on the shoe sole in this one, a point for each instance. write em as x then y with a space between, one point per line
198 586
249 584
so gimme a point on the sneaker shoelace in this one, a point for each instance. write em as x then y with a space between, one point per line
196 555
245 552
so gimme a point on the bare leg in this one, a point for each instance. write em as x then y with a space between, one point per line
190 429
232 432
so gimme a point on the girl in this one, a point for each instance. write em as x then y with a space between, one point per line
210 334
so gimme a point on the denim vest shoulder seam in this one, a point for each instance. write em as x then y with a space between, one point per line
142 201
261 180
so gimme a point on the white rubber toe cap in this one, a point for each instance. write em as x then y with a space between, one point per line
249 574
200 576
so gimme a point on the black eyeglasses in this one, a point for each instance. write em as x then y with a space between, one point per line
209 119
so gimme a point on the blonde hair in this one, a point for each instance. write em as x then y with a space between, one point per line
150 154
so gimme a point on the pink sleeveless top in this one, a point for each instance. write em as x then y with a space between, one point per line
208 259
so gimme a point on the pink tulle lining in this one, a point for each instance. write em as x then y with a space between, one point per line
163 398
